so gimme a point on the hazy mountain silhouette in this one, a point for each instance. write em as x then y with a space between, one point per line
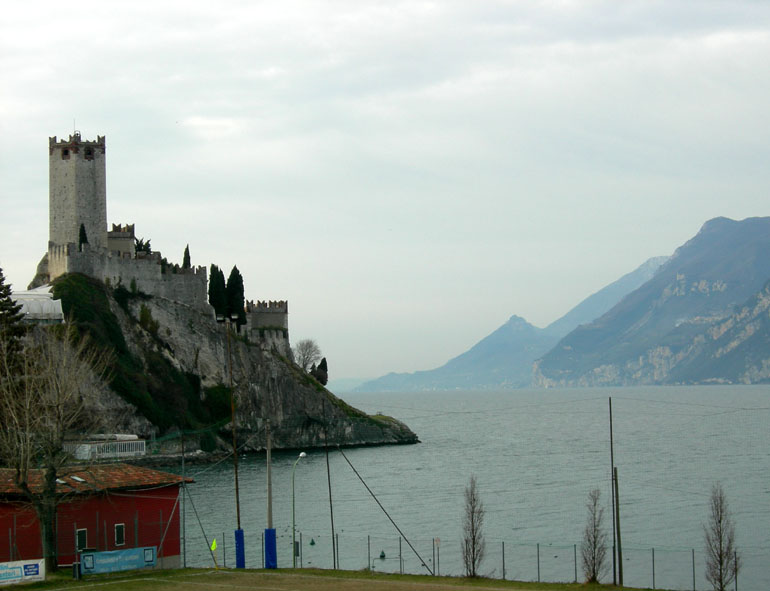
504 358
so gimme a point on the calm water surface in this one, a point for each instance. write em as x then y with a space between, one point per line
535 454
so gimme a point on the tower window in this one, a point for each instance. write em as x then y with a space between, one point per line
65 154
89 153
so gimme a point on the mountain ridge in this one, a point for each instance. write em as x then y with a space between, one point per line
504 358
648 336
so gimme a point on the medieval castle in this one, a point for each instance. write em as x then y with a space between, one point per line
80 242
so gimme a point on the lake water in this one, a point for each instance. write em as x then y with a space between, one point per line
535 454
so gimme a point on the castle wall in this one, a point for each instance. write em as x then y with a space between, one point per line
268 323
143 274
271 339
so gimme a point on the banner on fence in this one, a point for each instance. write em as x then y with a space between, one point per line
117 560
23 571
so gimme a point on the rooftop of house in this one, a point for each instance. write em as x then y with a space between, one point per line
94 478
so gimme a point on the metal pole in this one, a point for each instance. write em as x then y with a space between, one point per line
184 530
538 563
400 560
503 561
693 569
617 525
293 529
574 550
232 423
329 481
653 568
269 481
368 553
612 498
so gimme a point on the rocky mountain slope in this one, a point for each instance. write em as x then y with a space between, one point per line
701 319
169 364
504 358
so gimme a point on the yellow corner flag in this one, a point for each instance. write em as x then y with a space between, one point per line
213 544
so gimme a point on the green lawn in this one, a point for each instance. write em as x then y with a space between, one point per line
288 580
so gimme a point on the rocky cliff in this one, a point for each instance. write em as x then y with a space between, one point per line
701 319
170 364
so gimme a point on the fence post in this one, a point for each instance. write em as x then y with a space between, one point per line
337 542
574 551
400 559
653 568
263 549
301 551
693 569
368 552
538 563
503 560
433 545
224 550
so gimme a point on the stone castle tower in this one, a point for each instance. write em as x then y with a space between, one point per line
77 192
77 196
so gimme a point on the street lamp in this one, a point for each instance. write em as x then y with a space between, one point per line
293 542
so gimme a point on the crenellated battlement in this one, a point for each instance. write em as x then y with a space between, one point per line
121 229
267 322
75 143
268 307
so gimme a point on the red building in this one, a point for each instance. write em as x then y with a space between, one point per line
101 507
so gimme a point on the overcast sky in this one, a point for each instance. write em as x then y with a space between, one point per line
407 175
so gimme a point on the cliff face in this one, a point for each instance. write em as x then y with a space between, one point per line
171 363
701 319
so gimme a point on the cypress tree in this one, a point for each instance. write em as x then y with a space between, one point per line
217 293
235 297
186 259
82 238
321 373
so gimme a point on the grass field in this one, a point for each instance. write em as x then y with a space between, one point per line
288 580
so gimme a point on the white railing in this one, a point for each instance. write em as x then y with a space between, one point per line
97 450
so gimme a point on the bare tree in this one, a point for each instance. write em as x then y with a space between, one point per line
45 394
306 353
473 523
594 545
722 559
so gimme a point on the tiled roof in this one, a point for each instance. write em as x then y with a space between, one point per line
95 478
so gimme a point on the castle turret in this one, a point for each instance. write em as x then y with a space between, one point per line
77 191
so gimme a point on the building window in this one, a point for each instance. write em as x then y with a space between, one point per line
81 540
65 154
89 154
120 534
